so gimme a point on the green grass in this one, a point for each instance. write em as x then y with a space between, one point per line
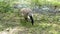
44 24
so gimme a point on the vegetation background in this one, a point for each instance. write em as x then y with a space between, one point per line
46 17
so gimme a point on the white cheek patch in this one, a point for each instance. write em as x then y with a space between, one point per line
28 17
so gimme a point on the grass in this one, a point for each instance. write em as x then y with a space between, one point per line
44 24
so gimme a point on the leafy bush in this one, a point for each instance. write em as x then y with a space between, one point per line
5 7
